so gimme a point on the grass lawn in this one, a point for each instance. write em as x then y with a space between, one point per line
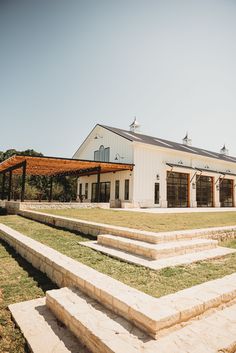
150 221
155 283
19 281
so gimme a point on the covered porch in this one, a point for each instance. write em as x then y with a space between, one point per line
52 167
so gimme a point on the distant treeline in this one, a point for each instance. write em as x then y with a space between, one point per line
38 187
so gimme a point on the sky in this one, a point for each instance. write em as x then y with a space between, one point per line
67 65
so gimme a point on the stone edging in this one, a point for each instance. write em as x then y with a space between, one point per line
95 229
150 314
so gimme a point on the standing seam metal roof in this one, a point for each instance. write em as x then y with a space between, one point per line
156 141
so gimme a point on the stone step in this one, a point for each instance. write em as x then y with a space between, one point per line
173 261
41 329
95 326
104 332
93 228
156 251
151 315
165 313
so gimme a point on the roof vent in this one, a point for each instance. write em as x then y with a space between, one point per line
135 126
224 151
187 141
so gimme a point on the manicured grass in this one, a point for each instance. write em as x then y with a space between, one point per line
19 281
155 283
150 221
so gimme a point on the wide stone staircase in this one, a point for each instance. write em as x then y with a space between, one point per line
92 312
163 250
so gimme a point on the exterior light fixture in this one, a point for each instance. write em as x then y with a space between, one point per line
207 166
97 136
194 186
217 187
157 177
118 157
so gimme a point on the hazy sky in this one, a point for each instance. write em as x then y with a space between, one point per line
67 65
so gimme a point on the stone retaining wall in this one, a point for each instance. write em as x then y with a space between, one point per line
95 229
150 314
13 207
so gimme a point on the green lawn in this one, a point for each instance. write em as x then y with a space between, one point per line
155 283
150 221
19 281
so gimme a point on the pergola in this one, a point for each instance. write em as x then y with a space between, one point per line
54 166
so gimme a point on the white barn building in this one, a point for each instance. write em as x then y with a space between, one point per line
165 173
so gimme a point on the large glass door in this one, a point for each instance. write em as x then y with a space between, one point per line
204 191
177 189
226 193
105 191
105 188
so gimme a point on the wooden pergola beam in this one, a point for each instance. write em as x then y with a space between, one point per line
49 166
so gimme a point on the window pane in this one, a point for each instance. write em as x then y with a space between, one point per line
226 192
86 190
204 191
177 189
101 154
96 155
117 190
107 154
126 189
156 195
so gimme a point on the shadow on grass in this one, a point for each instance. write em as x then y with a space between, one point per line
74 232
40 278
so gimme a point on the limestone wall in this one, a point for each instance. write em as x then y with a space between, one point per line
93 228
13 207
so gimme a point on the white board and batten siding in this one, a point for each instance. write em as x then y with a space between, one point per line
149 168
120 148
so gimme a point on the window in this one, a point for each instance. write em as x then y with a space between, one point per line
94 192
177 189
103 154
104 192
80 189
86 191
107 154
117 189
126 189
96 155
157 193
226 192
204 191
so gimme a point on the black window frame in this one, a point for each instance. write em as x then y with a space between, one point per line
157 193
117 189
126 190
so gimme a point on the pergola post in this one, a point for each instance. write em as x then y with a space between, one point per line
50 191
3 185
23 182
98 186
9 185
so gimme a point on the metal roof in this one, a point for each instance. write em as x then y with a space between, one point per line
156 141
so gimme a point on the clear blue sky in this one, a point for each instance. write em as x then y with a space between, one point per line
67 65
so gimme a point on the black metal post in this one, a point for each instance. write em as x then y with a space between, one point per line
50 192
23 182
98 187
3 185
9 185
